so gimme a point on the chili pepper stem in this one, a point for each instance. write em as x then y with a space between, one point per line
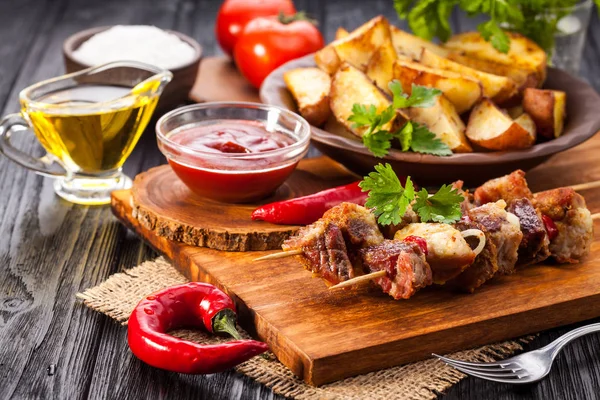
224 322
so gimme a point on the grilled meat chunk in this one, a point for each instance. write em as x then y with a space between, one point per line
357 223
503 236
534 246
330 245
406 268
468 202
325 252
448 253
573 220
508 188
409 217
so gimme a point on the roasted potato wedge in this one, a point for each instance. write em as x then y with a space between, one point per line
356 48
380 68
412 46
443 120
547 108
492 128
310 88
462 91
498 88
524 54
349 85
341 33
519 76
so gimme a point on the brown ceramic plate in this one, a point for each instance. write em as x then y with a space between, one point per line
583 121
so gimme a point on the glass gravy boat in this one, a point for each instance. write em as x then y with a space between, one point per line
88 122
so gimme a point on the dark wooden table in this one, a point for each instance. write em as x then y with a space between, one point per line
51 346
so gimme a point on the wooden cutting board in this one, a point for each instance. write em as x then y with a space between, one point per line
323 335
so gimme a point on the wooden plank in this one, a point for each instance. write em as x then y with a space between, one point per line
164 205
366 330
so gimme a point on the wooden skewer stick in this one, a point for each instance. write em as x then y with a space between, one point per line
587 185
282 254
359 279
595 216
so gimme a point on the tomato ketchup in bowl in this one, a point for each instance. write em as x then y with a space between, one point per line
232 152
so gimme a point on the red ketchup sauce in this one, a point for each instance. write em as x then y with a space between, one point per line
225 178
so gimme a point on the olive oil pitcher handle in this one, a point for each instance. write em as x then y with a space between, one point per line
16 123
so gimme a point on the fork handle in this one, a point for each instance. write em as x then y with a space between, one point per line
556 346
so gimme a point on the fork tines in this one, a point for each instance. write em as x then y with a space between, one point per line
493 371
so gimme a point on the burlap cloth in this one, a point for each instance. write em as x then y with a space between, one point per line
118 295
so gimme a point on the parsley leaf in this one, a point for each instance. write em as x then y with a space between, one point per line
420 96
387 197
405 136
491 32
377 139
444 206
424 141
378 143
362 116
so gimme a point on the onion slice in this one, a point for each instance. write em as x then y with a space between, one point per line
480 235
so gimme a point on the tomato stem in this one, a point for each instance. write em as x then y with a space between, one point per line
299 16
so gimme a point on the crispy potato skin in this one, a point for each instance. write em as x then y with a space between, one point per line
547 109
310 88
492 129
356 48
524 54
349 86
443 120
496 87
462 91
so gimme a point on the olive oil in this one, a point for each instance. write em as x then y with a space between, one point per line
92 128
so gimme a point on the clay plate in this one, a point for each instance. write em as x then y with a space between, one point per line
583 121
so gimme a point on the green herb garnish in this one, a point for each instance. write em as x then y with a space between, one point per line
387 197
390 200
535 19
443 206
412 136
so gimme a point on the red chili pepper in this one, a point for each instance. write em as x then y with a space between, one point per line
307 209
551 228
421 242
193 304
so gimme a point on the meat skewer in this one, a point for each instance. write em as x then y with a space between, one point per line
346 244
517 237
563 212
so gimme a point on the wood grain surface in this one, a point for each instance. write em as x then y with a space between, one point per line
325 335
51 250
216 74
166 207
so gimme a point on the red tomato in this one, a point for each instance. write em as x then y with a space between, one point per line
235 14
266 43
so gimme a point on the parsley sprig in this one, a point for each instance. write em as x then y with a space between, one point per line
535 19
411 135
390 200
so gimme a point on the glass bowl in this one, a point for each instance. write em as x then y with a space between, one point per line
232 177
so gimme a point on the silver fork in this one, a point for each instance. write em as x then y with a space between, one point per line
525 368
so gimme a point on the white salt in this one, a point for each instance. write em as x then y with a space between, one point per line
147 44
